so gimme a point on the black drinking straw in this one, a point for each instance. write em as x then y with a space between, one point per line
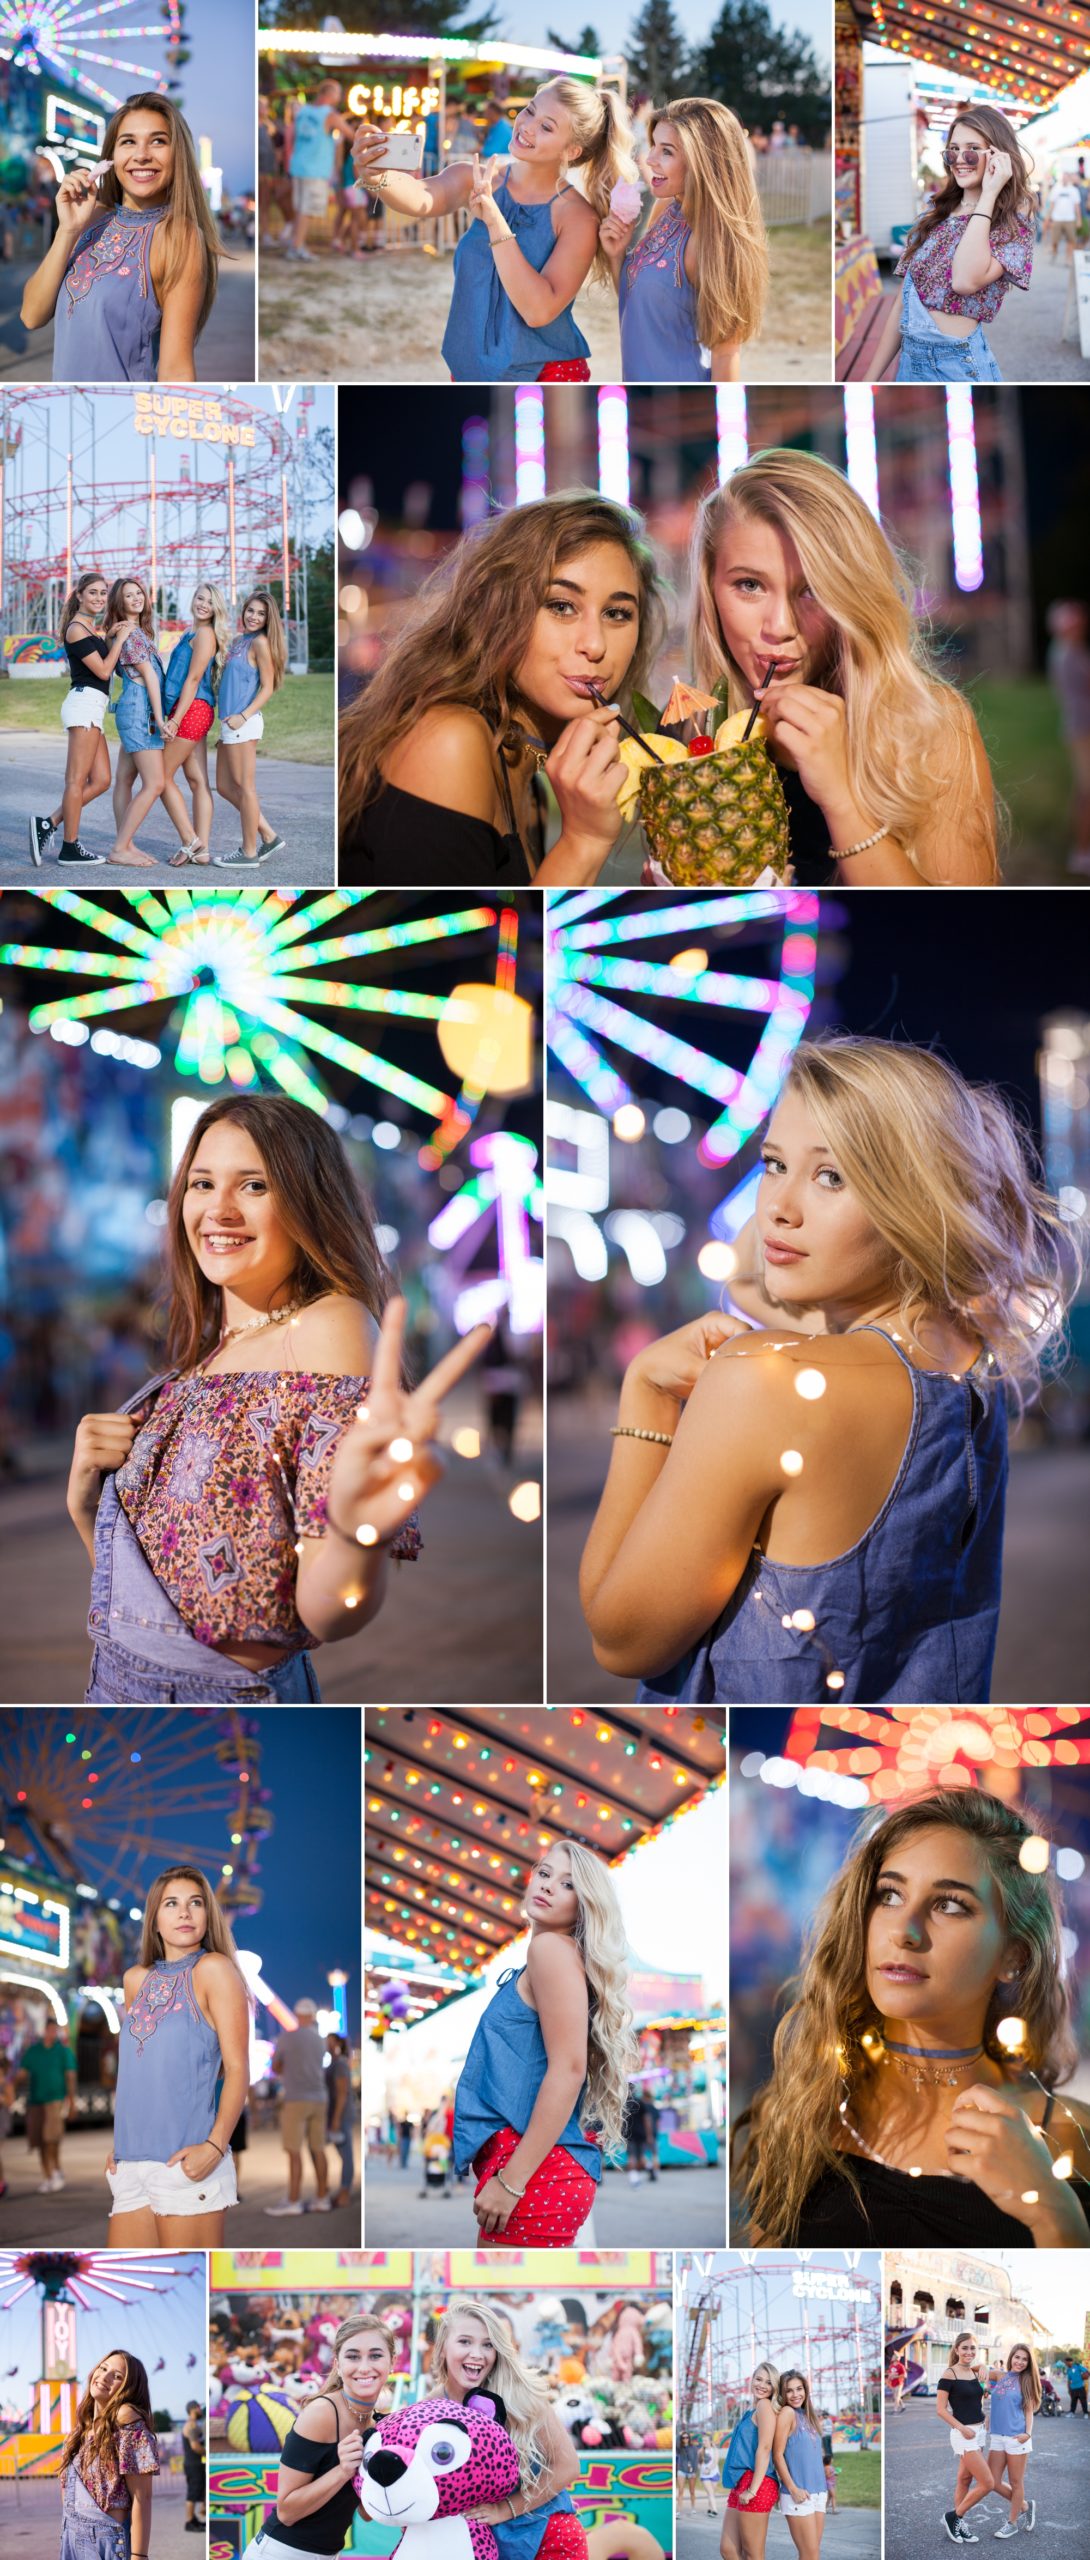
766 680
598 697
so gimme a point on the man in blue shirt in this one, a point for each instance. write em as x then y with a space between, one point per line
498 129
310 148
1076 2384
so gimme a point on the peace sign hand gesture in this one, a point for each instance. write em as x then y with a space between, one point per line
386 1462
481 204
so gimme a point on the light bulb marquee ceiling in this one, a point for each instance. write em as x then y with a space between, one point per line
1027 55
459 1808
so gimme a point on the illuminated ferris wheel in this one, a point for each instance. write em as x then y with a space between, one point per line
60 40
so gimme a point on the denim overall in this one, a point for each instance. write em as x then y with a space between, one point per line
143 1651
910 1612
928 355
500 2079
87 2533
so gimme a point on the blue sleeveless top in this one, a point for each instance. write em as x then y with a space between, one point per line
804 2458
741 2453
485 340
239 681
177 671
1006 2409
500 2079
168 2065
909 1612
106 324
660 341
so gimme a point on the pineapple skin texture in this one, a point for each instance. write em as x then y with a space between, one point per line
723 820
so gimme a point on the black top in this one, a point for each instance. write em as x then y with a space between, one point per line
325 2528
809 834
966 2397
76 651
403 842
902 2212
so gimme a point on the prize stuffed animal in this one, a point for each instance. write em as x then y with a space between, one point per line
426 2465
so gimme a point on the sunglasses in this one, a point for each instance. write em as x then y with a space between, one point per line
952 157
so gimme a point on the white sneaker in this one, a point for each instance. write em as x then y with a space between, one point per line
57 2182
46 2188
286 2207
634 2178
1006 2532
321 2204
1028 2517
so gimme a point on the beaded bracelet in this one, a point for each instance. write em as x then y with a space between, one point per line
628 1431
517 2192
863 847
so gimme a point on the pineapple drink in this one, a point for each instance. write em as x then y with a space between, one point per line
718 818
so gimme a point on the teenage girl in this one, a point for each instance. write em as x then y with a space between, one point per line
131 276
698 277
544 2085
799 2460
183 2071
139 716
108 2464
1013 2401
972 243
92 656
752 2488
254 668
316 2502
474 2352
532 239
959 2403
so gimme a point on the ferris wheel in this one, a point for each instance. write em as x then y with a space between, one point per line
103 1796
61 39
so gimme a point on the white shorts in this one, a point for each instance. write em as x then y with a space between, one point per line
975 2442
814 2505
254 727
311 195
84 708
136 2185
1009 2444
266 2547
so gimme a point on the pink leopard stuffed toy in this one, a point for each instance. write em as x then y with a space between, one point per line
426 2465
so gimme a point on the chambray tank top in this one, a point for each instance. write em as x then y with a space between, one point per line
804 2458
660 341
168 2064
910 1612
486 340
1006 2407
239 681
501 2076
741 2454
177 671
106 324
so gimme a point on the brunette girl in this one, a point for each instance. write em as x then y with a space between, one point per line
316 2503
132 272
254 668
183 2073
752 2487
208 1583
532 240
913 2079
493 679
1014 2397
475 2352
698 276
108 2464
92 655
798 2458
543 2088
961 258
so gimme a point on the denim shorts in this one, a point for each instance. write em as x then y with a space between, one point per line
118 1678
927 355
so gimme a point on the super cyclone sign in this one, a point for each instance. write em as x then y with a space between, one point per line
826 2285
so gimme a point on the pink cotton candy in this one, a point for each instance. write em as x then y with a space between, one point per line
626 199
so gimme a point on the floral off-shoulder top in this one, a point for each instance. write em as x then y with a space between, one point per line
104 2479
222 1479
930 264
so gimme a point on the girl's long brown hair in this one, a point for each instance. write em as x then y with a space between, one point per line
723 210
470 628
73 602
1013 205
788 2138
316 1198
188 211
115 610
274 630
1032 2394
99 2430
217 1936
807 2410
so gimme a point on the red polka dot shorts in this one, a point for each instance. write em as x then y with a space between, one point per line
576 369
564 2539
198 720
554 2208
767 2495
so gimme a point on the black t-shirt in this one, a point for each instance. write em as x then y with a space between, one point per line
966 2397
809 834
403 842
76 652
894 2210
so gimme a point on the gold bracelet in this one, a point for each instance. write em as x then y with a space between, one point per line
863 847
628 1431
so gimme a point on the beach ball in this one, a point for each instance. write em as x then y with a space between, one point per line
258 2420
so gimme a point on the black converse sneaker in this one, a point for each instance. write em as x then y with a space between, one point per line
40 830
78 852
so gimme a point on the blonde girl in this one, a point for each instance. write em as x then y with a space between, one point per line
131 276
974 241
316 2503
543 2088
748 2474
92 655
255 667
1014 2397
882 762
182 2073
475 2352
798 2458
533 236
895 2100
698 277
108 2464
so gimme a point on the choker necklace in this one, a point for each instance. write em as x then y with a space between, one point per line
932 2066
258 1324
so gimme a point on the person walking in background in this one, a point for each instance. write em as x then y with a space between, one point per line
827 2459
47 2072
497 129
1068 669
310 148
1076 2384
1064 216
342 2112
709 2474
193 2458
896 2377
404 2141
687 2464
299 2063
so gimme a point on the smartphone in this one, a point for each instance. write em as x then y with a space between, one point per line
403 151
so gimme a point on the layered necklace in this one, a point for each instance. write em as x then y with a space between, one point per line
932 2066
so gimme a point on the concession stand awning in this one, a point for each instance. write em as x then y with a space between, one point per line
1028 54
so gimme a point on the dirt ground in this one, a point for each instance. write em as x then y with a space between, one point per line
382 320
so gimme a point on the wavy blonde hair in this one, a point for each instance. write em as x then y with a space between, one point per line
603 148
525 2397
788 2138
217 1935
721 205
469 630
188 215
221 624
1032 2394
612 2051
910 735
948 1179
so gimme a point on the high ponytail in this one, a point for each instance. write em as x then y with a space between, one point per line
603 149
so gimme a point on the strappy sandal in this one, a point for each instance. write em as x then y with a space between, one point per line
193 852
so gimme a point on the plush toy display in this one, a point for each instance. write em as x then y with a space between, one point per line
425 2466
257 2420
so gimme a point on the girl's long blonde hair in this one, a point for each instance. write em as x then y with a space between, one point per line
603 149
788 2138
217 1935
525 2397
97 2428
274 631
470 628
721 205
612 2051
807 2411
910 735
221 625
1032 2394
948 1179
188 213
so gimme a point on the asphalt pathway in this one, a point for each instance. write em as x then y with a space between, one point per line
298 799
684 2209
919 2474
225 349
30 2519
79 2214
854 2533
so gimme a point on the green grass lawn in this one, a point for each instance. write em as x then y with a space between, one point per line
858 2479
298 720
1020 725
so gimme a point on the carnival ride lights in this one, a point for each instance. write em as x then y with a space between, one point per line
83 2273
60 37
613 477
1039 49
110 1795
861 443
964 487
529 443
905 1751
505 1186
731 429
